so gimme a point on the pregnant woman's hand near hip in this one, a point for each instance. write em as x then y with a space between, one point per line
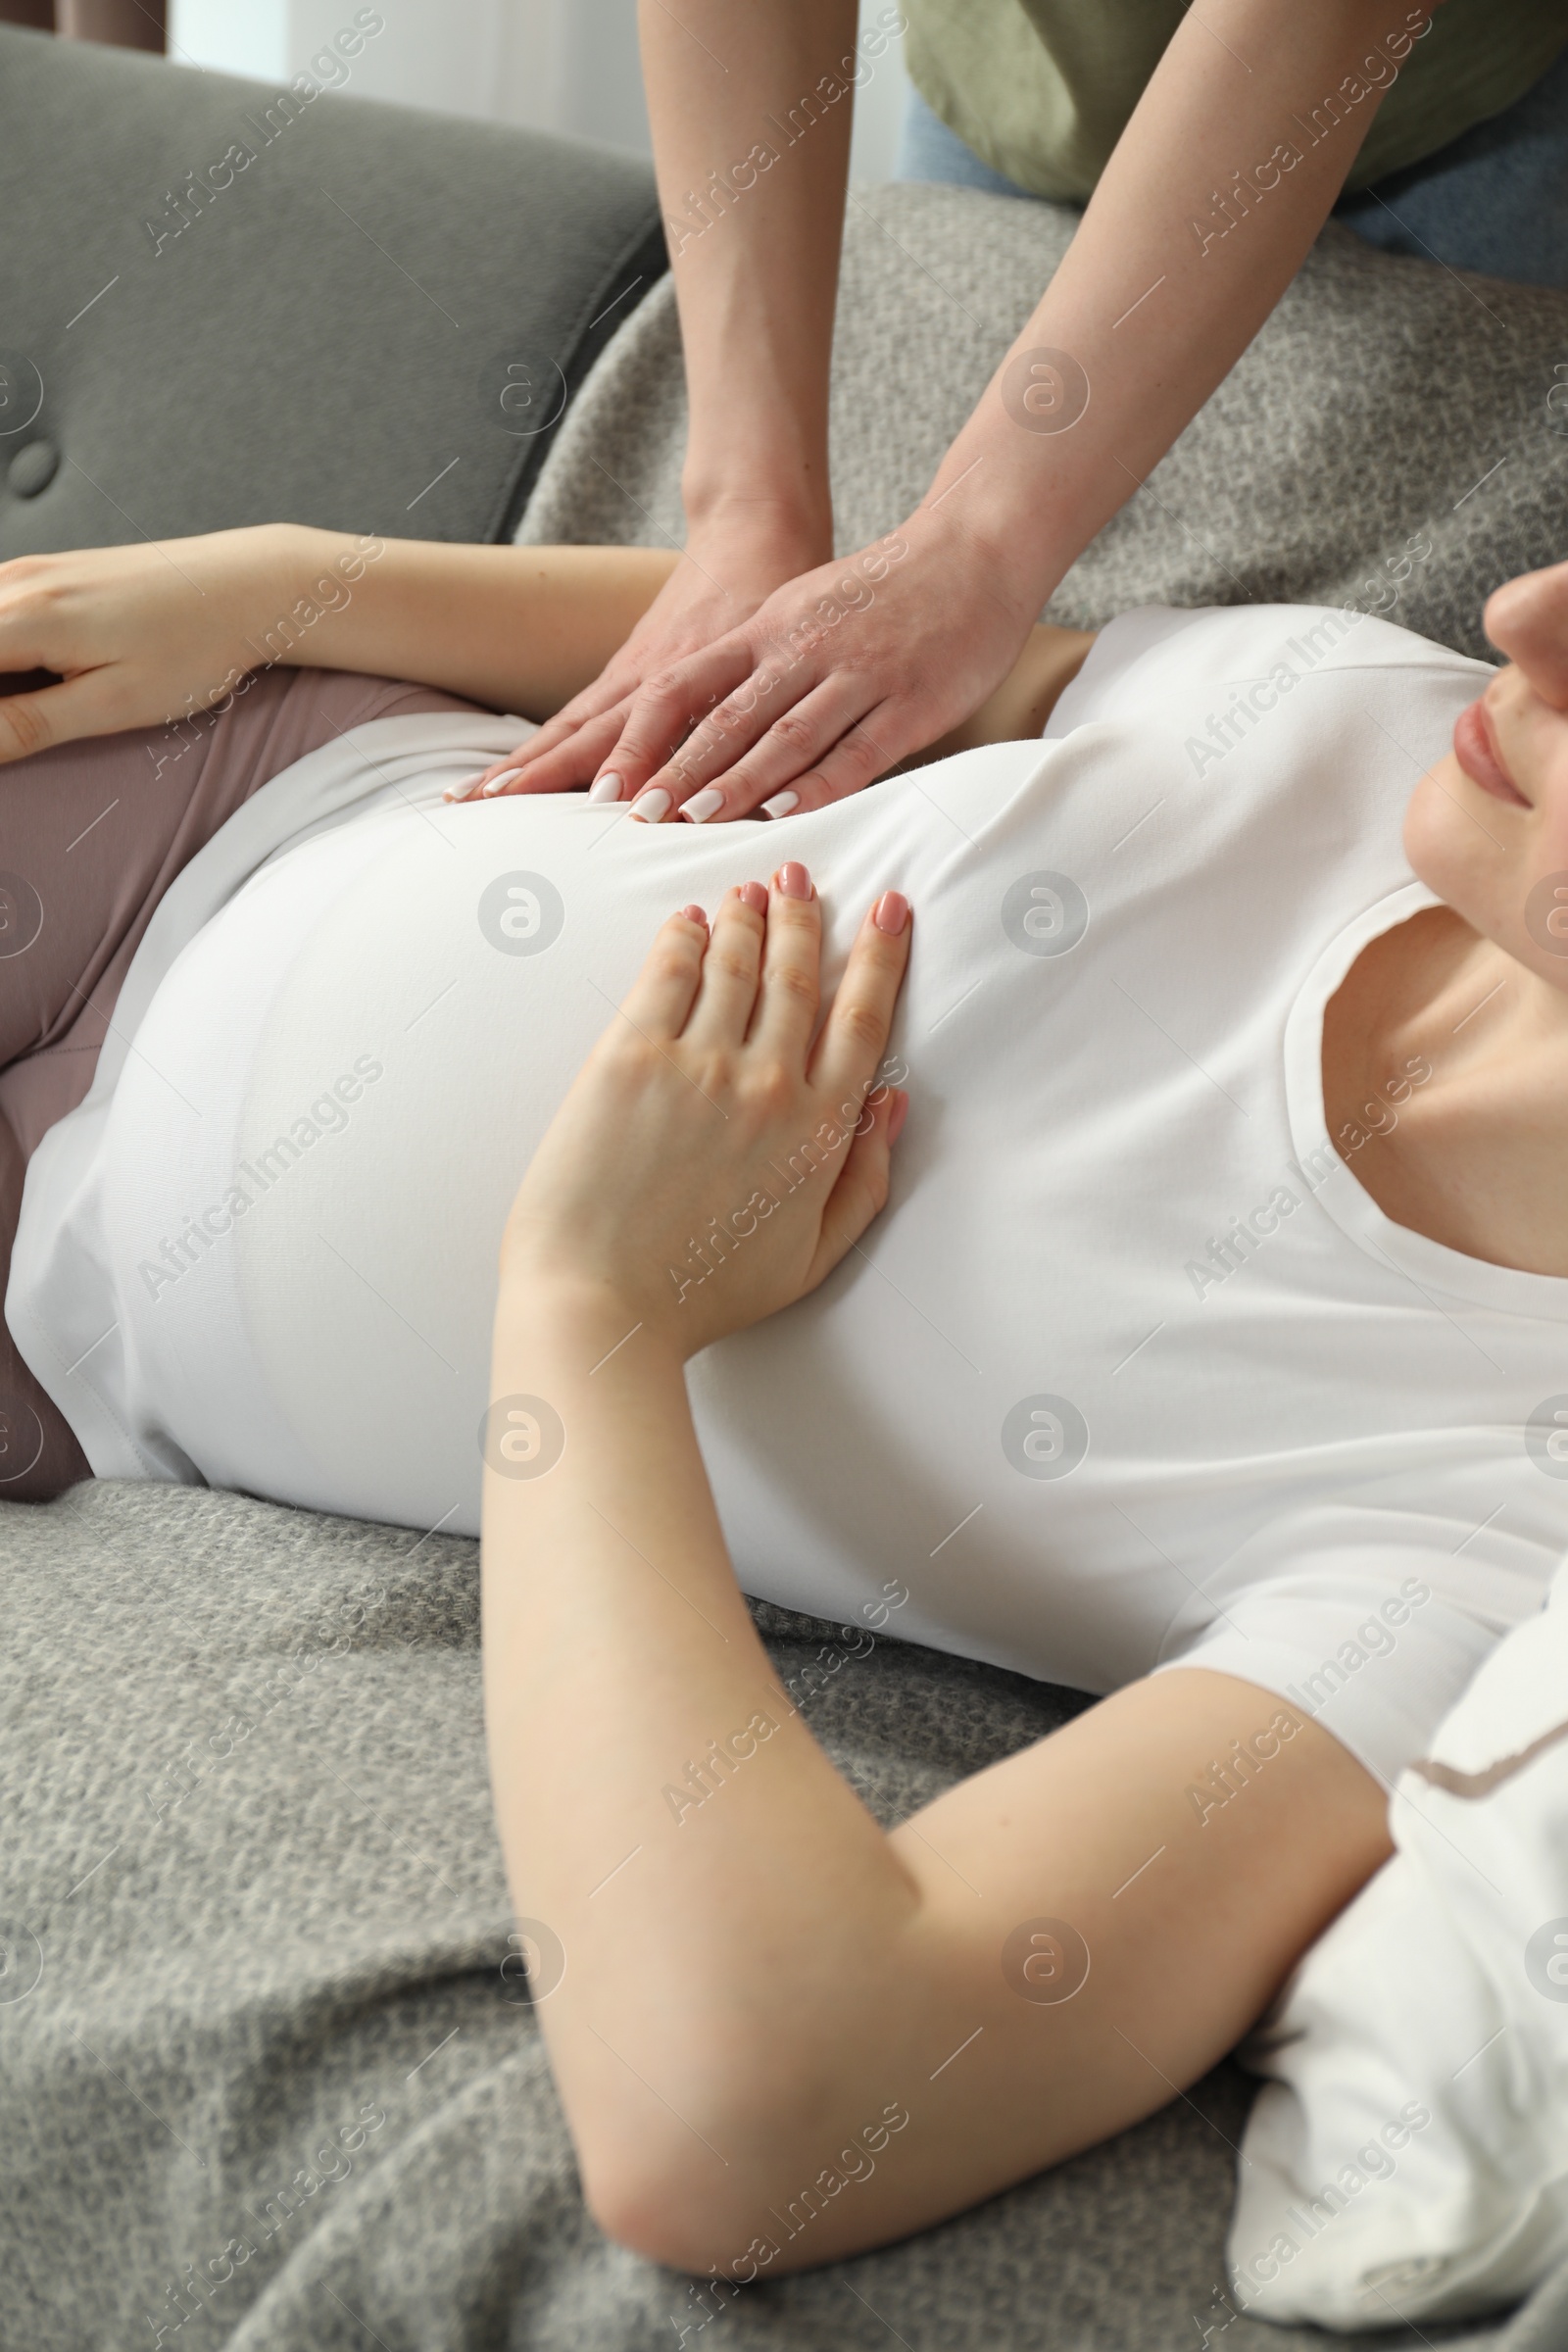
706 1113
141 635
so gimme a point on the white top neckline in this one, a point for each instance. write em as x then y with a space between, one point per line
1430 1265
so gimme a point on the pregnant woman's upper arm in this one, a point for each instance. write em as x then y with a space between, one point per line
1088 1941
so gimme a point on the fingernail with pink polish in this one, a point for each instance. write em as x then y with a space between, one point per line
891 912
754 895
704 804
605 788
897 1116
651 805
794 881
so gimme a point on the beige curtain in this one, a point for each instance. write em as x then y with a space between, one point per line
126 23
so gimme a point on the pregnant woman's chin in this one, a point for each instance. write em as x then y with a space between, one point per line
1476 749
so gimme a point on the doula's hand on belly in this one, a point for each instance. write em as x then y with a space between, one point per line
839 675
705 1109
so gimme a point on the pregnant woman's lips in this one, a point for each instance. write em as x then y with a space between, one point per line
1475 747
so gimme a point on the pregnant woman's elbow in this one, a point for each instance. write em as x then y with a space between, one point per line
658 2168
670 2204
757 2189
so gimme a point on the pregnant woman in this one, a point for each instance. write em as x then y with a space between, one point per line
1209 1353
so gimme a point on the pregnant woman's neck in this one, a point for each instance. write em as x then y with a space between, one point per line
1445 1092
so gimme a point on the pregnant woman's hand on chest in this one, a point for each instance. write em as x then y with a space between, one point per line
711 1163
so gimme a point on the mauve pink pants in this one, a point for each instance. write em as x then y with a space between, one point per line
92 836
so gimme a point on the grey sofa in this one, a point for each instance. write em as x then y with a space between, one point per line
270 2079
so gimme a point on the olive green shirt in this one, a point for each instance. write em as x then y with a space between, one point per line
1042 88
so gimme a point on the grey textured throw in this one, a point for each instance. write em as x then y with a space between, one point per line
267 2080
1383 400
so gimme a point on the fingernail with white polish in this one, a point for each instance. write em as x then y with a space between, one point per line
704 804
782 803
653 806
508 775
605 788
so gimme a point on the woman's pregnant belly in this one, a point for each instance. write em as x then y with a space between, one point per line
312 1152
967 1431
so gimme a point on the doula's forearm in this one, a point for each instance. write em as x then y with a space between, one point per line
751 110
1209 203
517 628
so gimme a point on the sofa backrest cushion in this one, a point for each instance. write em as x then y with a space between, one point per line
221 302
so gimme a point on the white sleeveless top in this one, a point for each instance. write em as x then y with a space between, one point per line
1131 1372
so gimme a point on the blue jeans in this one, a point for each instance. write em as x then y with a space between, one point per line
1494 199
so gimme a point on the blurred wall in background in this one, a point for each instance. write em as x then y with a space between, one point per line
556 64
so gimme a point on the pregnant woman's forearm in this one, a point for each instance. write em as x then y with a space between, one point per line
1211 199
139 636
752 156
518 628
693 1858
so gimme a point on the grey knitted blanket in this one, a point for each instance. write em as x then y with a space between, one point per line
268 2078
1384 401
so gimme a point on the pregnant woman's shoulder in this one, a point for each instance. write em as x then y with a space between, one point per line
1153 658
